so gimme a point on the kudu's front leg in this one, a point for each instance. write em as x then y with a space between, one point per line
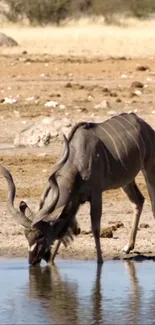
96 212
51 261
75 230
137 200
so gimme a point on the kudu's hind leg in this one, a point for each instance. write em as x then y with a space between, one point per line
149 175
96 212
137 200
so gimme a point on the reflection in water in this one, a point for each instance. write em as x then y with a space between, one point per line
58 296
134 296
60 299
97 298
77 292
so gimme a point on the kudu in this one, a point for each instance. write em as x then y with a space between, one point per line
98 157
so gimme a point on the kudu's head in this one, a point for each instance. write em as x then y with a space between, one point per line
39 232
39 247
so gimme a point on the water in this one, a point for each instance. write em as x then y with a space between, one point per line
77 292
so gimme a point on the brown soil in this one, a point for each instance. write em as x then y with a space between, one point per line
79 84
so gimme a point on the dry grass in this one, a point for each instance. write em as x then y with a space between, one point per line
131 38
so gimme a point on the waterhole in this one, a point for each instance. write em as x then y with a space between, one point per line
77 292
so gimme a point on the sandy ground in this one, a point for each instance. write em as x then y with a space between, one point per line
79 83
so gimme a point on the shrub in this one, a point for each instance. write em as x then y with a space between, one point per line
141 8
46 11
39 11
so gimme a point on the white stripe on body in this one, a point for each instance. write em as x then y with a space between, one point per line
151 143
135 130
126 150
132 138
105 153
115 146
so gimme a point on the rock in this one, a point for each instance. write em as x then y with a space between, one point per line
116 225
7 41
113 94
62 107
144 225
135 110
118 100
136 92
30 99
42 133
43 75
106 232
42 154
86 232
142 68
8 100
51 103
123 76
137 84
68 85
90 98
111 113
103 105
105 89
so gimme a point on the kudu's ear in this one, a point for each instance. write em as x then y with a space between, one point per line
23 207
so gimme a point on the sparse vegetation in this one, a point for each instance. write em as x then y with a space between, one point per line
54 11
38 11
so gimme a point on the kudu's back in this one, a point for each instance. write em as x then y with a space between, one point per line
117 148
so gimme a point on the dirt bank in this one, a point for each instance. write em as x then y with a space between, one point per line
80 84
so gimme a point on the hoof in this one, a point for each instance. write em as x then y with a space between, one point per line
127 249
100 261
